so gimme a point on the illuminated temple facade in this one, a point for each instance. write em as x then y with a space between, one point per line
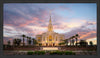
50 38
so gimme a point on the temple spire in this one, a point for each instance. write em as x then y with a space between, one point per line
50 20
50 27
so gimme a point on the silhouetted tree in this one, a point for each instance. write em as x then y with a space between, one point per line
35 41
29 41
23 39
18 41
62 43
73 41
40 44
91 43
70 40
9 43
66 41
76 37
83 43
14 42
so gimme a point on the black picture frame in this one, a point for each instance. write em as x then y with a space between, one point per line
49 1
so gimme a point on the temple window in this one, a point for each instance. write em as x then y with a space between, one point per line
39 39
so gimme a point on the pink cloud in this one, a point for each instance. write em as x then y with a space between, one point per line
10 39
86 34
34 21
9 24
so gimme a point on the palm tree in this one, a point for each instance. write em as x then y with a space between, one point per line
9 42
73 42
73 39
27 40
23 39
66 41
70 40
33 40
14 42
91 43
18 41
76 37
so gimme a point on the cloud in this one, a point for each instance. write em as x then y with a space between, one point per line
87 35
84 32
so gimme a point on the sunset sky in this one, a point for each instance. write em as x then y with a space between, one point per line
33 18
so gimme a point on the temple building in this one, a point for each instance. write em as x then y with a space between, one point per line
50 38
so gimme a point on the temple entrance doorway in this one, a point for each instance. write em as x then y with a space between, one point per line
50 44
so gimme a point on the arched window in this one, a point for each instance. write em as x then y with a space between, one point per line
39 39
50 38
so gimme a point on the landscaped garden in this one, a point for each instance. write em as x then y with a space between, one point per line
50 53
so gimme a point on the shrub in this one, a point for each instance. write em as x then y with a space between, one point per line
60 52
30 52
47 51
69 53
39 52
52 53
42 52
56 52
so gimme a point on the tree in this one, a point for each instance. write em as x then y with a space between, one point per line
23 39
40 44
29 40
62 43
76 37
73 42
14 42
34 41
18 41
66 41
73 39
83 43
70 40
9 42
91 43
